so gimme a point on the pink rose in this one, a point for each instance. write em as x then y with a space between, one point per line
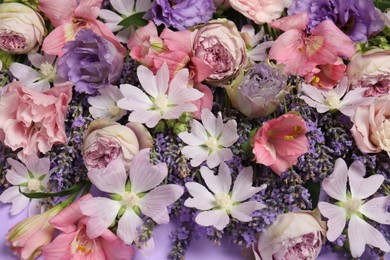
371 128
74 242
32 120
279 142
260 11
107 140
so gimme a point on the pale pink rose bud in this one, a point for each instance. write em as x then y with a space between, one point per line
21 28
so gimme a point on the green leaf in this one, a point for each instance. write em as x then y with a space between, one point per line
314 190
41 195
134 19
382 4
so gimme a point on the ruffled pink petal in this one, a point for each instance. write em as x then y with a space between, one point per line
88 9
200 69
60 247
177 41
57 12
142 34
290 22
115 249
56 40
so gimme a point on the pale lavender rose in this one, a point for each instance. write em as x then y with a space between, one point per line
358 19
370 70
294 235
219 44
261 91
181 14
107 140
90 62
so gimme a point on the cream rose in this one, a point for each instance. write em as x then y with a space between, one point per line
371 128
107 140
294 235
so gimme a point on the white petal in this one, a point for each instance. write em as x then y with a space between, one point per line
127 226
217 183
23 73
124 35
148 81
134 98
217 218
376 209
37 166
39 86
15 178
361 233
110 16
143 6
229 133
341 88
111 179
243 211
202 198
143 175
198 135
162 79
149 118
336 219
37 59
362 188
336 184
155 203
218 156
124 7
102 212
212 124
197 153
177 110
321 108
12 195
242 188
313 93
259 53
35 207
18 167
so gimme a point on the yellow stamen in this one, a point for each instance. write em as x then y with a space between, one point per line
288 137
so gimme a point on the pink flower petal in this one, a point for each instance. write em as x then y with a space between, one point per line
57 12
336 219
88 9
213 124
336 184
290 22
201 198
376 209
197 136
59 248
56 39
217 183
242 188
127 226
243 211
216 218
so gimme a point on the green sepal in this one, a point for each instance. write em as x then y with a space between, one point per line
41 195
134 19
314 189
116 197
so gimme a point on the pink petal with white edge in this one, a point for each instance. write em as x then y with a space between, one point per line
216 218
57 12
148 80
127 226
229 133
360 187
242 188
19 201
111 179
198 135
297 21
217 183
102 212
336 184
243 211
336 219
376 209
218 156
155 203
213 124
143 175
202 198
361 233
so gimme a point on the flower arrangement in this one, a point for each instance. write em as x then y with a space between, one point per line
263 122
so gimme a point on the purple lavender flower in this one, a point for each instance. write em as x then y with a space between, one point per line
182 14
358 19
90 62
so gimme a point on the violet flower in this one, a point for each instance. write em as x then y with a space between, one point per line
181 14
90 62
358 19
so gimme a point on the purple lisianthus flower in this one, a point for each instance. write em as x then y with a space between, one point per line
181 14
90 62
358 19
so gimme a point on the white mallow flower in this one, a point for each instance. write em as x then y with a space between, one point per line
37 80
125 8
353 206
140 196
325 100
218 204
31 177
165 100
104 106
209 142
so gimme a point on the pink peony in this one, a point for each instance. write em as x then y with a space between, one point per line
371 128
32 120
74 242
279 142
260 11
300 52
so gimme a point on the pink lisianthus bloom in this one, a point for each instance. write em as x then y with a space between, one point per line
301 52
326 76
74 242
69 18
279 142
171 47
32 120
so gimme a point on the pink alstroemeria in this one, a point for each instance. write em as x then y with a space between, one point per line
74 242
279 142
301 52
353 204
326 76
69 18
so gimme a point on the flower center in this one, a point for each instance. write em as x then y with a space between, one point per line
130 199
11 41
333 100
82 244
47 70
211 143
33 184
352 205
161 102
223 200
114 110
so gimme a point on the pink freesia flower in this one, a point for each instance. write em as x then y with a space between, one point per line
279 142
301 52
353 204
74 242
326 76
32 120
70 17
